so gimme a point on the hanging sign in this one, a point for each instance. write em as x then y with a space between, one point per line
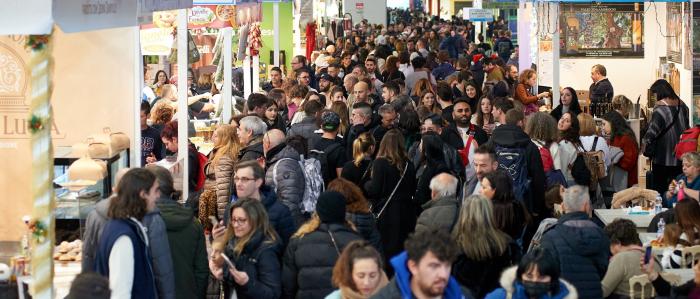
478 15
86 15
16 18
156 41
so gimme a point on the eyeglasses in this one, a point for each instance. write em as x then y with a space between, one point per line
243 179
239 221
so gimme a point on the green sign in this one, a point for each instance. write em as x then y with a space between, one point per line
286 23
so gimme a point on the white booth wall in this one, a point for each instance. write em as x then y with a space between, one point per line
373 10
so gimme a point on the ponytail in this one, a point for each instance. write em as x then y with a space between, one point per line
361 146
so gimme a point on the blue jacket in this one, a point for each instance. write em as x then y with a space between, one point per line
514 288
400 285
694 185
144 285
583 251
279 215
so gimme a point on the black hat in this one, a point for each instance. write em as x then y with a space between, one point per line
326 76
331 207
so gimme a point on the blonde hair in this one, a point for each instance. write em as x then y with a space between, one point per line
226 145
622 103
361 147
312 224
476 231
258 220
586 124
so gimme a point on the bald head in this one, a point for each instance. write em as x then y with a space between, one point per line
443 185
272 138
361 91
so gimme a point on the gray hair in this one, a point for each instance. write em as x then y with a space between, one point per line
386 108
444 184
575 198
692 158
255 124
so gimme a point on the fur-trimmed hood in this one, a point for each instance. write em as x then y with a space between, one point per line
508 283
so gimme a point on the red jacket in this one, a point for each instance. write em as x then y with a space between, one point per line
630 157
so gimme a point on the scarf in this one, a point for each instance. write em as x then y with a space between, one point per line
349 293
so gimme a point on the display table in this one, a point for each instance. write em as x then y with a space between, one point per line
608 215
63 156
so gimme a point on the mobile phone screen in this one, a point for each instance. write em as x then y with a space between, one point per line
647 255
228 261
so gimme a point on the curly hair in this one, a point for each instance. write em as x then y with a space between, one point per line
542 126
623 232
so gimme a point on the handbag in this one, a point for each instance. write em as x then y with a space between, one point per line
378 215
650 148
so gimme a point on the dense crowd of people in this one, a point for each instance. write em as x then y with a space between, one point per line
402 162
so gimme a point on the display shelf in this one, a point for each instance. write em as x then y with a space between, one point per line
63 156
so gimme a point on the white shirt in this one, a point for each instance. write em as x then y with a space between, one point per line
567 155
121 264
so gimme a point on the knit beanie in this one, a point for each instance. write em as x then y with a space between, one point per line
331 207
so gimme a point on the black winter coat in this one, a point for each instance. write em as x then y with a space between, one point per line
357 174
367 228
280 217
399 218
482 277
252 152
260 260
308 261
583 252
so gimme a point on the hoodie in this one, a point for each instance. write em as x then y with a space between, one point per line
158 244
583 251
400 285
512 136
512 288
188 249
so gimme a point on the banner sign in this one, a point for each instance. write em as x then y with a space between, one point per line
17 18
602 30
156 41
478 15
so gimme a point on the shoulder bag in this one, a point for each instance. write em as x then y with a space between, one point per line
378 215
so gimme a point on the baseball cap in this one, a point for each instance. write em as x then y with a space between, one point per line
326 76
330 121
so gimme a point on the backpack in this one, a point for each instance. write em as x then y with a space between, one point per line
514 162
545 225
688 142
553 176
322 157
202 176
595 163
313 182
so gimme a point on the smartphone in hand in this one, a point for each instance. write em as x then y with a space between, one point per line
228 261
647 255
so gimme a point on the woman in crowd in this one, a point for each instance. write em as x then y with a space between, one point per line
204 83
428 100
472 94
485 250
688 180
664 288
542 129
673 247
297 94
313 250
668 121
253 247
509 215
569 143
272 118
420 87
122 254
627 251
341 109
622 105
622 137
688 218
568 101
590 139
218 172
160 79
185 237
170 140
358 272
420 71
359 169
337 95
432 163
311 96
527 81
536 277
483 117
391 70
390 191
357 210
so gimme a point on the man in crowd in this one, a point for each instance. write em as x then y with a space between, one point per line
442 210
334 72
444 98
485 162
257 104
580 245
363 95
601 91
325 82
250 133
304 77
371 66
500 107
151 144
445 68
275 79
461 130
493 71
390 91
511 78
329 147
284 173
299 63
389 120
360 121
249 178
280 97
423 270
432 124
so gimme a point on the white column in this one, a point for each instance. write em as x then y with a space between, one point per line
228 62
477 25
276 32
256 74
182 117
135 152
247 80
554 19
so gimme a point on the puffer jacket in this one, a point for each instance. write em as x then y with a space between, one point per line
439 213
510 288
219 178
308 261
253 151
366 226
583 252
285 176
259 260
157 239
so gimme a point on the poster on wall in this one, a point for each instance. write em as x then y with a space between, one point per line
674 31
602 30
